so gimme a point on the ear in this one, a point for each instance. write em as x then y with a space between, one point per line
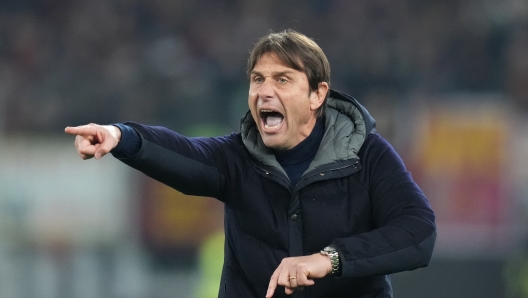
317 97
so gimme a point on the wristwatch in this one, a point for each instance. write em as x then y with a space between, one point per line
334 258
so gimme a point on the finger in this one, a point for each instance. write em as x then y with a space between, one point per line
83 142
293 279
303 280
84 130
84 147
284 278
307 282
103 148
285 281
273 282
299 285
289 290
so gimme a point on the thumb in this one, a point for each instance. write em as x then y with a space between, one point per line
111 136
98 155
103 148
99 152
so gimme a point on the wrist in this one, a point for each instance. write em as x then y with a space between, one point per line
333 256
115 132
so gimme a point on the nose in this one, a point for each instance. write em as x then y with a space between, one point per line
266 89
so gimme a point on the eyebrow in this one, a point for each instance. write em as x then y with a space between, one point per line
273 74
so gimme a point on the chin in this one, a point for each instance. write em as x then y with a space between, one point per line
273 144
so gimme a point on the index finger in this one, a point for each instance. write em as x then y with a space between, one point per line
83 130
273 282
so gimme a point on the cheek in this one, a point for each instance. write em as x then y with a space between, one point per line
252 96
252 107
299 110
253 90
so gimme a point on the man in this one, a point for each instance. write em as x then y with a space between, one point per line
317 204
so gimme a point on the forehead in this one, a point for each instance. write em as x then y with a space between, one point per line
271 61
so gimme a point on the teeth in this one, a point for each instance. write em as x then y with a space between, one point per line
266 118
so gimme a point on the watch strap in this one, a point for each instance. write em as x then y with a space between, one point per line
334 258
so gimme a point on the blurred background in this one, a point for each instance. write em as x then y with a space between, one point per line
447 82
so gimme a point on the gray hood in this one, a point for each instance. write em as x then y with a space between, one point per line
347 124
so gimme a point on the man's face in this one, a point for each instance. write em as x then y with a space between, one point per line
281 103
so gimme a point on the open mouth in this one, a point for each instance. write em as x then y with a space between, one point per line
271 119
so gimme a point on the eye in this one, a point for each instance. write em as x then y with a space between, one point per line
282 80
258 79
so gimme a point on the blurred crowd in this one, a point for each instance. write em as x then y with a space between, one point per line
182 63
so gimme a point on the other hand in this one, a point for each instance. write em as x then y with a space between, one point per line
297 272
94 140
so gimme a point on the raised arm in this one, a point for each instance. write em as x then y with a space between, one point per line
190 165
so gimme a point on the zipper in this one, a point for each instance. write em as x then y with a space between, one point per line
278 174
313 173
322 171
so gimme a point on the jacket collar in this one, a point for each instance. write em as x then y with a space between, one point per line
347 124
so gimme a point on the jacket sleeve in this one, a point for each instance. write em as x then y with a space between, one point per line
405 231
190 165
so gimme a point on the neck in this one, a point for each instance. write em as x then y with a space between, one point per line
296 160
307 147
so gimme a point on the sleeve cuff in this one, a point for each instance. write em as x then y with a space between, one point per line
129 144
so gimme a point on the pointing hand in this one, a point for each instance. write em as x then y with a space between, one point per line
94 140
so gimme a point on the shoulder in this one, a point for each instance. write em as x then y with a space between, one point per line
233 140
377 152
230 145
374 143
